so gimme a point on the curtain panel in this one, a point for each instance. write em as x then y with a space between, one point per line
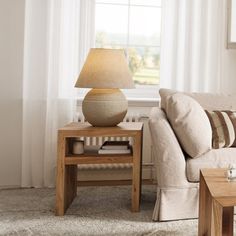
54 49
192 42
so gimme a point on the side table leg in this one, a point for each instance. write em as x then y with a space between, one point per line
228 221
66 182
205 209
216 227
136 180
70 184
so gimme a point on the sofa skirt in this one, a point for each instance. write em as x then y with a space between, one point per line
176 203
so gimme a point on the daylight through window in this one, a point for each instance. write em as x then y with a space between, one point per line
134 25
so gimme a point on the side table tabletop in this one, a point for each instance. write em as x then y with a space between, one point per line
217 198
66 180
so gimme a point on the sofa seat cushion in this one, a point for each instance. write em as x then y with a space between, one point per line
216 158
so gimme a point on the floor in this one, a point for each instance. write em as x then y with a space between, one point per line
95 211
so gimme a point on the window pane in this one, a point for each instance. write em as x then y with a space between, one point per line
144 63
156 3
113 1
111 24
145 26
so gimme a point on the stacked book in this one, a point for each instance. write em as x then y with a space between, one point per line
115 147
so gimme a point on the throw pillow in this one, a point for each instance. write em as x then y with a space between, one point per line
223 124
165 94
190 124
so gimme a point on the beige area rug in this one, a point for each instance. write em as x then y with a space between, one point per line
101 211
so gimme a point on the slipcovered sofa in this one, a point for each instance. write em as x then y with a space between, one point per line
177 172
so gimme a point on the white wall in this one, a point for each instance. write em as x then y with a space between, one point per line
11 80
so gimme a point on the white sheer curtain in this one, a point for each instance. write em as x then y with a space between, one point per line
192 42
55 47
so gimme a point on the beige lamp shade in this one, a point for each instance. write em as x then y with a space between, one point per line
106 72
105 68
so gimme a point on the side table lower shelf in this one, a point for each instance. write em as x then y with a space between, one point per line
98 159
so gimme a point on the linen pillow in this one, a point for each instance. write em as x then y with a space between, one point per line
190 123
165 94
223 124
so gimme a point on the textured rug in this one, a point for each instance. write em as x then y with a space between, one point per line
103 211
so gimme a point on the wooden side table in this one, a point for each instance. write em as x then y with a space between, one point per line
66 184
216 203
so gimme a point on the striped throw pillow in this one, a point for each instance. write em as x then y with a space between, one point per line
223 124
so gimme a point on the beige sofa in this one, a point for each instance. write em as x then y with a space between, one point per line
177 173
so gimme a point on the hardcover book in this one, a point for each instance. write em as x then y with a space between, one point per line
115 145
118 151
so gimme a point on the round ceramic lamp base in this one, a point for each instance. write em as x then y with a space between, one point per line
104 107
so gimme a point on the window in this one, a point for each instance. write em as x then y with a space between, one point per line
134 25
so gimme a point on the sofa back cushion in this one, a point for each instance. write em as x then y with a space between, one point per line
223 124
190 124
209 101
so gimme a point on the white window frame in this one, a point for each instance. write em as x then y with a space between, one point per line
141 92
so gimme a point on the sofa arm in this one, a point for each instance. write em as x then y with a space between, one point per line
168 156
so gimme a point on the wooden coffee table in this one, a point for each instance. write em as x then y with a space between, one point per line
217 199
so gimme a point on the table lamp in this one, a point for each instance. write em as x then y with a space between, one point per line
106 72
